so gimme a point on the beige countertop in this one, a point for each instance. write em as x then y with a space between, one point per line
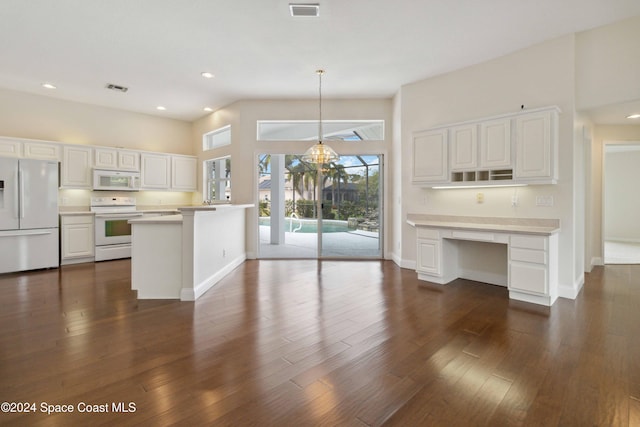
86 210
542 226
164 219
214 207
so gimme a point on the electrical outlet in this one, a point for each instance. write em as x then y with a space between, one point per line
544 200
514 200
480 197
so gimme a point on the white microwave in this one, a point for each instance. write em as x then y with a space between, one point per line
115 180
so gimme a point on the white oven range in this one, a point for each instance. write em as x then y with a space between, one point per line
112 228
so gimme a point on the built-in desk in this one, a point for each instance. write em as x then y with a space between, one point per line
531 252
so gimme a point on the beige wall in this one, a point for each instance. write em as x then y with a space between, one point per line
40 117
608 64
244 148
541 75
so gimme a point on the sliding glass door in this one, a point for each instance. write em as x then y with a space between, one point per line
311 212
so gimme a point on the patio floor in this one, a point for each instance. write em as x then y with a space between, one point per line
355 244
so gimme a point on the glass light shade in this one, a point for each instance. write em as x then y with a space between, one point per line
320 154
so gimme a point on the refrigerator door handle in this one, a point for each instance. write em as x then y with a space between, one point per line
16 195
21 185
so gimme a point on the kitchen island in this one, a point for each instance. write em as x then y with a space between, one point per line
182 256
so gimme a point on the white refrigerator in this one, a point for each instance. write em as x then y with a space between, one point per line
28 214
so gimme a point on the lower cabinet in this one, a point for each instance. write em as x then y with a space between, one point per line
533 267
429 252
77 239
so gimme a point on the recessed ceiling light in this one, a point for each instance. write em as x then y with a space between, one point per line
208 109
634 116
207 75
161 108
48 86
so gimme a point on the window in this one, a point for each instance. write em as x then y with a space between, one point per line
217 179
307 130
216 138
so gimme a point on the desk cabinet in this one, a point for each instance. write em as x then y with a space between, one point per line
429 252
532 260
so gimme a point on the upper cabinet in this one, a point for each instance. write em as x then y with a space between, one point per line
536 146
512 148
464 147
112 158
10 147
495 143
29 149
430 156
42 151
183 173
76 167
158 171
155 171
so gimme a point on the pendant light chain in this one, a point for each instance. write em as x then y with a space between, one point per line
320 72
319 153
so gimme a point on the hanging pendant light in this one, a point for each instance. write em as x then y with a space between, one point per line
320 153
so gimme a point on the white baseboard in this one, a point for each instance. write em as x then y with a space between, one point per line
192 294
408 264
622 240
595 261
571 292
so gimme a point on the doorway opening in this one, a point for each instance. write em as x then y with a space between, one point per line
311 212
621 207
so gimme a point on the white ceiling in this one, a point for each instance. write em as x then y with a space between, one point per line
369 48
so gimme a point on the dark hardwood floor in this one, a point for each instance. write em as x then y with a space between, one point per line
306 343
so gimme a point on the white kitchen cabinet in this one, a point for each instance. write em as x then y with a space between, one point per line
428 259
155 171
464 147
10 147
42 151
183 173
112 158
76 167
77 239
533 266
536 146
430 159
495 143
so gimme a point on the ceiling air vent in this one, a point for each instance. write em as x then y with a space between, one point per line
307 10
117 88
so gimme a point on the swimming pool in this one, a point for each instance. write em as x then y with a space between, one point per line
310 225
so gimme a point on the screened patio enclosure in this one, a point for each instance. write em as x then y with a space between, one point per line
310 212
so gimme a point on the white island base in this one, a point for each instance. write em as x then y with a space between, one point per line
183 256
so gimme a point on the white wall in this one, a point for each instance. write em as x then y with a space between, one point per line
541 75
621 194
244 148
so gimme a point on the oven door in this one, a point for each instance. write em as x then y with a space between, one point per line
114 229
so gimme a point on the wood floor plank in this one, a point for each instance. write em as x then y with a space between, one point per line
313 343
